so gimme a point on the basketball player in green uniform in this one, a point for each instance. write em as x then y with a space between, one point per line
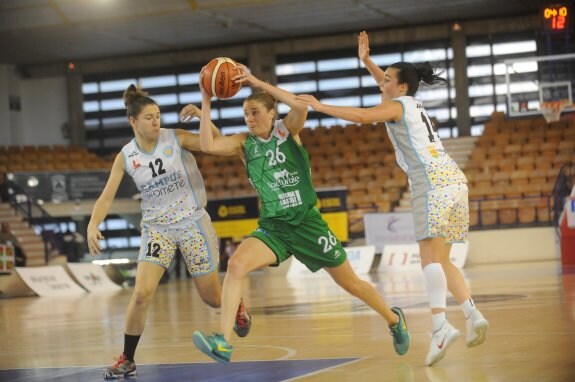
278 167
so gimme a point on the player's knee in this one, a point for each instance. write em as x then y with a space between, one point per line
237 267
427 258
444 261
142 297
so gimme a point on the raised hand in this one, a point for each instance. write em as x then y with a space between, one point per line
245 76
363 46
308 100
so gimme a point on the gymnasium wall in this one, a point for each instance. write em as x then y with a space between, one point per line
10 120
43 109
512 245
44 98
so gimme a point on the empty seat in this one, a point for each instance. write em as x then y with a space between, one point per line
507 212
501 178
526 163
519 177
488 212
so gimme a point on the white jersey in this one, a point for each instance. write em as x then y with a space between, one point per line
168 179
419 151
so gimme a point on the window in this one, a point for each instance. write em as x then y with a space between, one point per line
107 127
486 73
339 78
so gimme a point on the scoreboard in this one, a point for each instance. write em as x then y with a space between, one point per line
556 18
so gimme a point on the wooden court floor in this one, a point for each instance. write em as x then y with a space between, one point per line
307 326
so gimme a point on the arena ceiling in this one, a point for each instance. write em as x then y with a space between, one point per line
49 31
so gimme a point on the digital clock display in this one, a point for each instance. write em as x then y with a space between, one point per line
556 18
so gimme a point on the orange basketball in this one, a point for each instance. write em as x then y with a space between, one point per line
217 78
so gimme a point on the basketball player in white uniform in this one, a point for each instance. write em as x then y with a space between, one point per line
173 216
438 187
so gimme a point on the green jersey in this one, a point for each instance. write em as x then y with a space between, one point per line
279 170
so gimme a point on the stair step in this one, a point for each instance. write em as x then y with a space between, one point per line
29 243
27 247
35 255
25 233
35 262
12 219
20 223
23 230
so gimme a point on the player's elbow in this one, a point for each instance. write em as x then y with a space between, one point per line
362 118
299 108
359 118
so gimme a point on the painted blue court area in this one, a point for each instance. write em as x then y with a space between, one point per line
236 371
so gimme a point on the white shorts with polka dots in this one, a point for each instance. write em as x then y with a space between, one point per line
442 212
197 241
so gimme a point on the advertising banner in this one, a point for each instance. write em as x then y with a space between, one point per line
63 186
405 257
49 281
388 228
360 259
235 218
92 277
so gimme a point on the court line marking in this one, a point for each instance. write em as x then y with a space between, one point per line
322 370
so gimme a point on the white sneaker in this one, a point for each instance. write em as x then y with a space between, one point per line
440 341
477 327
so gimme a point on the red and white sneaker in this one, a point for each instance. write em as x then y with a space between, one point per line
440 341
243 321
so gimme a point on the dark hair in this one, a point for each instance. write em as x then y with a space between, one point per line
135 99
411 75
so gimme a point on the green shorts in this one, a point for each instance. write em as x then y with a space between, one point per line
311 241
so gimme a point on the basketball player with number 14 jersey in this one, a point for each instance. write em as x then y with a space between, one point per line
439 189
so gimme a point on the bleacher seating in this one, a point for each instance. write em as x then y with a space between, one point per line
49 158
514 167
511 168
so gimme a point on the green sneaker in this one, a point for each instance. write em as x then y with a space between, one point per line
400 334
215 347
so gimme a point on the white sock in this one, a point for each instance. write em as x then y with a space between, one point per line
438 320
468 307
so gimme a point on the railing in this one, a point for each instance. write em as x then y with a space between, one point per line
34 214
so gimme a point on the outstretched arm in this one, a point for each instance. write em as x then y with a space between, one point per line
103 205
363 52
385 111
297 115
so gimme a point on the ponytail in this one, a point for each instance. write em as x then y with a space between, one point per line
409 74
428 75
